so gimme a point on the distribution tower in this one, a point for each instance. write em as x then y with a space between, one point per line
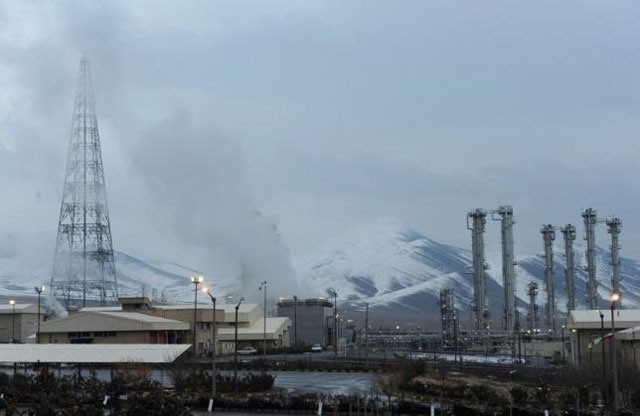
569 233
84 266
549 235
476 221
590 218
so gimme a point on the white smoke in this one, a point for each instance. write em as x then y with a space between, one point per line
54 306
198 182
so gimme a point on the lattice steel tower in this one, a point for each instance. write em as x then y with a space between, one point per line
84 267
508 265
614 226
590 217
569 234
476 221
549 235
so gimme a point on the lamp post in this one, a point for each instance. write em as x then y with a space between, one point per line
12 302
207 290
39 290
196 280
604 368
263 285
615 297
562 348
295 323
235 359
332 292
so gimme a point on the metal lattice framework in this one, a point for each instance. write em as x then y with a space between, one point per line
549 235
569 233
448 317
84 267
505 216
476 221
614 226
590 217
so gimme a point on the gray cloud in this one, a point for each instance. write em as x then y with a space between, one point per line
335 113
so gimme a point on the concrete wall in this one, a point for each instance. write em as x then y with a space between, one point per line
582 355
25 325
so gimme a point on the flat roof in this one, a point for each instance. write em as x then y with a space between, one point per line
91 353
112 321
590 318
21 308
256 329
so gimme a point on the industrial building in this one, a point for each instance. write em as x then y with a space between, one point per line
251 324
113 327
18 322
312 320
590 335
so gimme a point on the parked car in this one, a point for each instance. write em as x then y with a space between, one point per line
247 351
316 348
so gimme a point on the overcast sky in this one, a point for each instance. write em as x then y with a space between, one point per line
323 116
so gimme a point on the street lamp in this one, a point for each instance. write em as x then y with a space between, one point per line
615 297
263 285
39 290
235 359
604 368
332 292
562 350
295 323
12 302
207 290
196 280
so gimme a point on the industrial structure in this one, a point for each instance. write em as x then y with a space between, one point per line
448 317
590 218
614 226
84 267
505 216
478 219
311 319
549 235
569 234
532 315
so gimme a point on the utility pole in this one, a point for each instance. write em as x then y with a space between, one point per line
263 288
295 323
615 297
332 292
39 290
207 290
549 235
196 280
235 357
366 332
590 218
476 221
569 234
532 291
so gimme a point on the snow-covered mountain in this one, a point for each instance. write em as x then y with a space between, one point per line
19 273
399 271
